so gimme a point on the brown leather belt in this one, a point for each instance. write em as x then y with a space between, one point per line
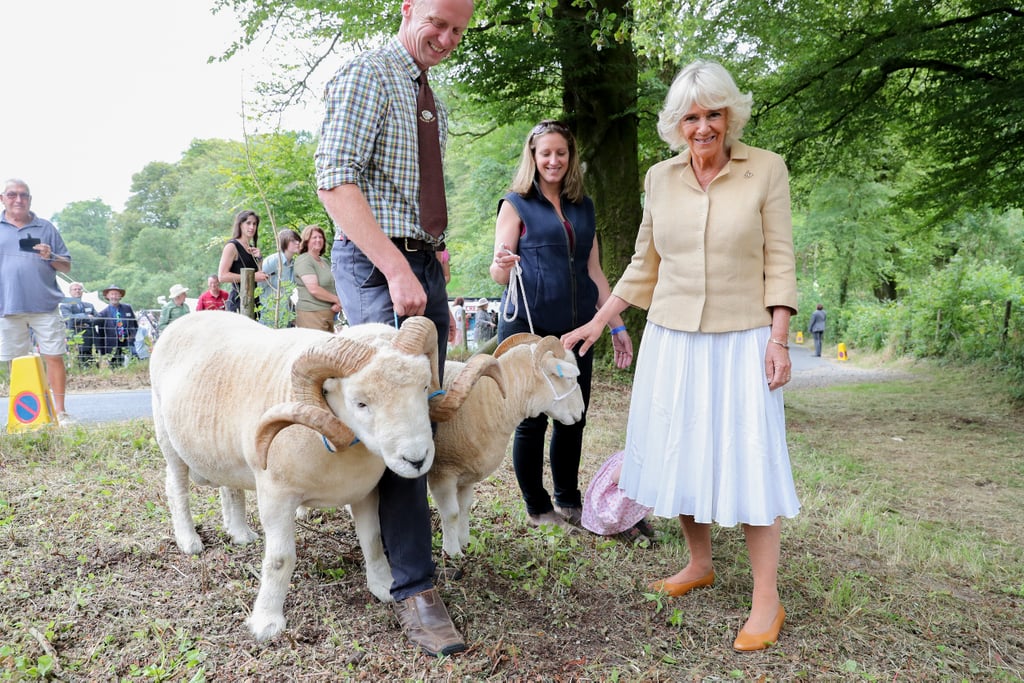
413 244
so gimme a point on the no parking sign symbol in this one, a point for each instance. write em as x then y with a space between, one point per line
30 405
26 407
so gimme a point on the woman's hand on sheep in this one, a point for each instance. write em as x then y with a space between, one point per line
588 334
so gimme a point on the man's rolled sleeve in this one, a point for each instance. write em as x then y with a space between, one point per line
354 108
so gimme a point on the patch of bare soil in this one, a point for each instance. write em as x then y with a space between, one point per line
120 379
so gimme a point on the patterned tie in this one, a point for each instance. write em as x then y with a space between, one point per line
433 208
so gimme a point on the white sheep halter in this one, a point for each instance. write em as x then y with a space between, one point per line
510 306
551 385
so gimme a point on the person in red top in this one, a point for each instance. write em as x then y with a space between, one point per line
214 298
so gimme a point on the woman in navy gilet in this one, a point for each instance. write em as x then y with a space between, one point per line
546 224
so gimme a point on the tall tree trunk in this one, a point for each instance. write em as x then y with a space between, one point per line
599 99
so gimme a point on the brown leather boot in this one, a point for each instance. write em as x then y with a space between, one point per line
426 623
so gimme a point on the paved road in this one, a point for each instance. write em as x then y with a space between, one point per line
808 371
108 406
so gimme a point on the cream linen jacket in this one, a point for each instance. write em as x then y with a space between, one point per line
715 261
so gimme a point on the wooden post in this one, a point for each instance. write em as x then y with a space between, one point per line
247 293
1006 321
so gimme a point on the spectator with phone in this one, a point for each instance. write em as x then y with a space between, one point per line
31 253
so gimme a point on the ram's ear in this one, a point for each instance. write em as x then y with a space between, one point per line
559 367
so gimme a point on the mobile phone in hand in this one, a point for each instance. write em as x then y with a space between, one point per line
28 243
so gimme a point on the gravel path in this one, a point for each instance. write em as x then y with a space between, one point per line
810 372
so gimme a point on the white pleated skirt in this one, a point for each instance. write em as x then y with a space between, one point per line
706 438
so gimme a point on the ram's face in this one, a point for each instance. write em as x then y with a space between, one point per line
561 375
385 406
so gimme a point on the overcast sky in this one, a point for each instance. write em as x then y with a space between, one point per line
94 91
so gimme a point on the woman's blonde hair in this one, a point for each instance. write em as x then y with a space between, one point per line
707 85
572 182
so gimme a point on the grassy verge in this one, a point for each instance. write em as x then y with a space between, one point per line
905 563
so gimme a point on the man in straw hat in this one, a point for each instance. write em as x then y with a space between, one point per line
483 325
118 324
175 308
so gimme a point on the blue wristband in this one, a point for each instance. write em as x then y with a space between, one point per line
616 330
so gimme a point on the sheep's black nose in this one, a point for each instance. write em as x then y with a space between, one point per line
416 463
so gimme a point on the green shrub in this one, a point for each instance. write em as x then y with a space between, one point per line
958 312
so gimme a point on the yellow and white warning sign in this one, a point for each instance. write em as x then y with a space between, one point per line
30 406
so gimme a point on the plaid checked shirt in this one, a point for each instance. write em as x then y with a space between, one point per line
369 138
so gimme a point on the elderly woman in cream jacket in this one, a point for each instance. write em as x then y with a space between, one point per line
715 269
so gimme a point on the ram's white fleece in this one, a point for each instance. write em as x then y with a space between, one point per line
215 374
539 377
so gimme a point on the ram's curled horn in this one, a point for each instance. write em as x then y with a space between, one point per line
515 340
284 415
418 335
444 408
337 357
550 344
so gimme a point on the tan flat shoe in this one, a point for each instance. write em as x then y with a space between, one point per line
675 590
748 642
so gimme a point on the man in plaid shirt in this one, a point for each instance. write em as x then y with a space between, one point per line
385 264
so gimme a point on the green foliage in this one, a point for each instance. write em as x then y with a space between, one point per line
274 176
87 223
846 234
479 171
88 265
958 312
836 83
875 326
26 666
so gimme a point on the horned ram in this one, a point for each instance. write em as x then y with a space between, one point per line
539 376
342 408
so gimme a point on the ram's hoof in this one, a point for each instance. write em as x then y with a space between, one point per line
265 627
190 545
243 537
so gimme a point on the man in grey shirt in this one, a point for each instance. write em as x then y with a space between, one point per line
31 253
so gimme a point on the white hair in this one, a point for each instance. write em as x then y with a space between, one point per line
707 85
16 182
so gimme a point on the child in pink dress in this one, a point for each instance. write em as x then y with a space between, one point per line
606 509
